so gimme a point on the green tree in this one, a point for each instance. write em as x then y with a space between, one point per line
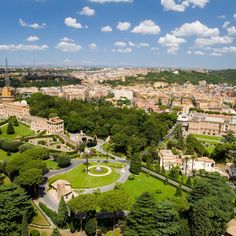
30 180
141 220
55 232
135 165
199 219
167 219
174 172
16 123
63 215
10 128
178 192
63 160
229 137
215 193
91 227
114 202
13 204
82 205
24 231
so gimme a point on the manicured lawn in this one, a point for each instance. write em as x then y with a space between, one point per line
52 165
4 156
79 179
210 149
20 131
207 137
143 183
39 219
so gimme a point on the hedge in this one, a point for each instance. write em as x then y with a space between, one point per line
50 213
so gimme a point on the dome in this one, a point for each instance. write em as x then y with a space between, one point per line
23 102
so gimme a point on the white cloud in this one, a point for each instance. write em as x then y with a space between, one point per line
234 16
120 44
22 47
147 27
195 28
66 39
216 54
72 22
110 1
172 42
226 24
198 53
232 31
67 60
122 50
221 17
33 25
123 25
68 47
144 45
87 11
32 38
202 42
131 44
93 46
224 50
106 29
154 49
180 6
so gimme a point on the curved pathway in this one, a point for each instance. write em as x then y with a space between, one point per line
51 203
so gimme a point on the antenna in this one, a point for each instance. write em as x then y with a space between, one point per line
7 81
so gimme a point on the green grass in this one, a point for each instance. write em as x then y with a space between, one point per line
52 165
79 179
143 183
210 149
4 156
20 131
207 137
39 218
115 232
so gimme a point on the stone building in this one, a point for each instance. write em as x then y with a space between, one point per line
62 188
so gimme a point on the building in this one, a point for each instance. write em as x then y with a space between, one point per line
18 109
62 188
215 125
168 159
202 163
51 126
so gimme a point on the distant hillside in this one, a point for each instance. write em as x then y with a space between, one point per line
214 77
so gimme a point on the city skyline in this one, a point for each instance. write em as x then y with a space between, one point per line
164 33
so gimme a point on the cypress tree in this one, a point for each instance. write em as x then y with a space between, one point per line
135 165
24 229
16 122
63 215
91 226
178 192
10 128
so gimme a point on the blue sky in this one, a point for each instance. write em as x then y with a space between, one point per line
180 33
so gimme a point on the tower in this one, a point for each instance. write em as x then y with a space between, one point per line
7 81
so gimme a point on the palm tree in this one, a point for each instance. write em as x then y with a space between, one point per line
194 156
186 159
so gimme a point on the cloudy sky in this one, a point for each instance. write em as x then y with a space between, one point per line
185 33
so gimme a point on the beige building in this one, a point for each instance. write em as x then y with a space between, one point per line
62 188
168 159
51 126
216 125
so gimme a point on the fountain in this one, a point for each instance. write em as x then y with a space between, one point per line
98 168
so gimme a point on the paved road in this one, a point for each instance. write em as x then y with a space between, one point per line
51 203
172 182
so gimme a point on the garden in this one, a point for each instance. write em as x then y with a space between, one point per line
79 179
